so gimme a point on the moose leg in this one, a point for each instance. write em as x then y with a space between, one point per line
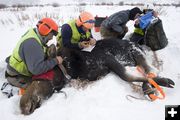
120 70
140 60
34 94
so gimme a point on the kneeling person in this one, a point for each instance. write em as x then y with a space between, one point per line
29 56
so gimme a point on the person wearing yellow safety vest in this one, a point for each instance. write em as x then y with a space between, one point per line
138 34
28 57
76 34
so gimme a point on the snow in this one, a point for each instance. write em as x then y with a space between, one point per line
104 99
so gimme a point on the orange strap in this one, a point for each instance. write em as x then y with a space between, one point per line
152 96
21 91
152 82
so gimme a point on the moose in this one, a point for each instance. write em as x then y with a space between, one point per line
109 55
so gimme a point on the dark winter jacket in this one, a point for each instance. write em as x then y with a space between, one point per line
117 21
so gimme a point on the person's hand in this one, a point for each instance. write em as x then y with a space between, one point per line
84 44
92 41
155 14
137 21
126 29
59 59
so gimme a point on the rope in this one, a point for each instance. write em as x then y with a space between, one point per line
137 98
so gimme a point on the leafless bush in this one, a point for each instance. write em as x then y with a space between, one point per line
139 4
97 4
103 3
176 5
19 7
55 5
25 17
82 4
110 3
2 6
121 3
166 4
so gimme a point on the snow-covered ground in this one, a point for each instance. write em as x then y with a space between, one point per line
104 99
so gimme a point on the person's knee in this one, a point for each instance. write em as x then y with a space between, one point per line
18 81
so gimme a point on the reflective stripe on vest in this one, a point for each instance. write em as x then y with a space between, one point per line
139 31
15 59
76 36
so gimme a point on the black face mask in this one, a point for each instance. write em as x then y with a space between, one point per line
54 33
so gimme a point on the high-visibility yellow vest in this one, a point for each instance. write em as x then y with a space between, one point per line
76 36
139 31
15 60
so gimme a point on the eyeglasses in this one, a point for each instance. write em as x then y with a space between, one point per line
89 21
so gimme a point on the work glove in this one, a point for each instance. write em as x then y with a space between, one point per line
137 21
155 14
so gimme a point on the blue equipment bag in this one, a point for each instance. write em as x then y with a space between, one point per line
145 20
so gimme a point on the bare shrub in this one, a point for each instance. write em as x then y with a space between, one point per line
110 4
103 3
176 5
97 4
55 5
25 17
82 4
2 6
166 4
121 3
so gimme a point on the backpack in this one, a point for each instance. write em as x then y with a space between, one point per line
155 37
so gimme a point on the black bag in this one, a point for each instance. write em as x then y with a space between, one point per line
155 37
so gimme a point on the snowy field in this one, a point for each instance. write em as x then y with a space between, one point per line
101 100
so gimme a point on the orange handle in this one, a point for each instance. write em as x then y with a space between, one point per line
153 97
152 82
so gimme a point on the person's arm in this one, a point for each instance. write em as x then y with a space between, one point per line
33 55
117 28
66 33
119 21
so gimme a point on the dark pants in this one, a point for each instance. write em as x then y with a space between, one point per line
17 80
108 33
137 38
